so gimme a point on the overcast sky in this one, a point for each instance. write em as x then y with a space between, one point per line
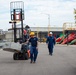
35 12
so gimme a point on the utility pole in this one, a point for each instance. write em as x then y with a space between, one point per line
37 32
75 15
48 23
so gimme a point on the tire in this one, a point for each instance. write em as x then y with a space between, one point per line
25 56
15 56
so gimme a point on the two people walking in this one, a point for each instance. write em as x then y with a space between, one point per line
34 45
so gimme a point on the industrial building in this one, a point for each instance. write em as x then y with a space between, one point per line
41 32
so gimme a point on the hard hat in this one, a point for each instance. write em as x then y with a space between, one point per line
24 31
50 33
32 33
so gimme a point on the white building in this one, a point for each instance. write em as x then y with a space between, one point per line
41 32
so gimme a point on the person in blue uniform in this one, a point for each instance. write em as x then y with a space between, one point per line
34 47
50 43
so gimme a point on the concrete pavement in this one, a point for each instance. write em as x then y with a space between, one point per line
63 62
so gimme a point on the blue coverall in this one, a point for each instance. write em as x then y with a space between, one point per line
51 42
33 49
